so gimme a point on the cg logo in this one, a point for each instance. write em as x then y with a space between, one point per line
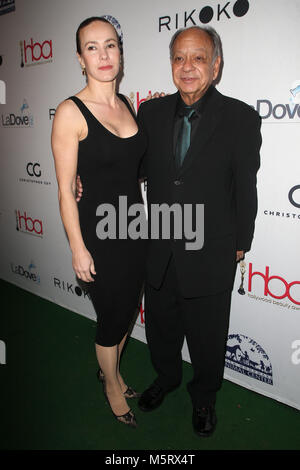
31 169
291 196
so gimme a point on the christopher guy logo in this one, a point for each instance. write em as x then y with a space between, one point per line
220 11
35 53
7 6
28 273
245 356
26 224
272 288
294 198
34 174
167 222
22 119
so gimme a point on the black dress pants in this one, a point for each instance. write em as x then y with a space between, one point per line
204 321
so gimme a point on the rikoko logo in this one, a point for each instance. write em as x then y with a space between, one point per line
28 273
280 289
35 53
19 120
220 11
70 288
7 6
27 224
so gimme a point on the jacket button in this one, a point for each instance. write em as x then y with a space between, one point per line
177 182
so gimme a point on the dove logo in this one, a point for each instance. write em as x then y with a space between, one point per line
2 92
28 273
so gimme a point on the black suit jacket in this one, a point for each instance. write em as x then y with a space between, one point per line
219 171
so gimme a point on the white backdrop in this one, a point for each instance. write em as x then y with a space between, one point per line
39 69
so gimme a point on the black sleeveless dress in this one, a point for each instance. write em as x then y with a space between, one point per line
108 167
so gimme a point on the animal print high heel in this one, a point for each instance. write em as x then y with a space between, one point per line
127 418
129 393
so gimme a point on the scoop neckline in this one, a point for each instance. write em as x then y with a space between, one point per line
102 125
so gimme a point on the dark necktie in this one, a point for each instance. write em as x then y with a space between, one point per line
184 136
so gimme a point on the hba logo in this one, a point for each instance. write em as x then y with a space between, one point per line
34 53
220 11
136 99
29 225
279 289
20 119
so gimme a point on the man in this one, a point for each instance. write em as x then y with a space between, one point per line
203 148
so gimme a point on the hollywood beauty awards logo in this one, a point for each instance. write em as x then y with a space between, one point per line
269 287
35 53
220 11
26 224
21 119
246 356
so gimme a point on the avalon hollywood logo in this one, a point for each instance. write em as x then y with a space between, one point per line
29 225
215 11
35 53
247 357
20 119
269 287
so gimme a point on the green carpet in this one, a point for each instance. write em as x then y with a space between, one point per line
51 399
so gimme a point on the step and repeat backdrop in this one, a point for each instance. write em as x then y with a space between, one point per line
39 69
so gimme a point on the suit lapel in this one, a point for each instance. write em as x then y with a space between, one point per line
207 126
167 123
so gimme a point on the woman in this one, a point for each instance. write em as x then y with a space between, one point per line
95 134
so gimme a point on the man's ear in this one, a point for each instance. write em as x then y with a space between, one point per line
216 67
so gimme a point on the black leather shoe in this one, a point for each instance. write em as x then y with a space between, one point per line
151 398
204 421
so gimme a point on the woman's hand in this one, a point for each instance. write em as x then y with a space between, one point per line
79 188
83 265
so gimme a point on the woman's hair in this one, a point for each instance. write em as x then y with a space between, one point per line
86 23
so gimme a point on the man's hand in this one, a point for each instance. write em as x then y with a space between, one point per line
240 255
155 95
79 189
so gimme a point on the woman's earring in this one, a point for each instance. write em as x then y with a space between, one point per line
83 70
